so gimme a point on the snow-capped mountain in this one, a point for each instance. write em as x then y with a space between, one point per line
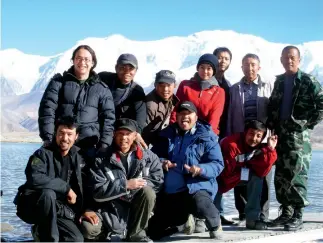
26 76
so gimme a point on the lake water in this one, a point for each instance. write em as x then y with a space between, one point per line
14 157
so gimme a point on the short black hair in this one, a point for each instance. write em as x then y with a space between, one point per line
89 49
287 48
67 121
257 125
251 55
222 49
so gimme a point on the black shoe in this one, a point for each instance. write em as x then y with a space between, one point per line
285 215
225 221
256 224
296 222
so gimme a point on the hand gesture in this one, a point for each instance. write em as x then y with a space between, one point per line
168 165
71 197
194 170
272 141
91 217
133 184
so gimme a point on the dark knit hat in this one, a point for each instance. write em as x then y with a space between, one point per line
209 59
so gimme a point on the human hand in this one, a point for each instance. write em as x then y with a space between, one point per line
137 183
194 170
91 217
71 197
272 141
168 165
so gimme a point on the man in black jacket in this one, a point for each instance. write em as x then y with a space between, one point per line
129 97
124 185
52 196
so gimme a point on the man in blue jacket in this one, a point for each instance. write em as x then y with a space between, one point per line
192 160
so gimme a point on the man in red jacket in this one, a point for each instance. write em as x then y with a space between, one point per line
248 161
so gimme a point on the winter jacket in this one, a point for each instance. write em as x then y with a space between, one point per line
158 115
209 102
237 154
307 100
201 149
42 172
225 85
108 179
236 118
91 104
132 105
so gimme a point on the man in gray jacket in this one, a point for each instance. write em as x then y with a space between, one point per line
249 99
124 186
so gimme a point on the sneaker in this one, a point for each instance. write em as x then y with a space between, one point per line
199 226
285 213
225 221
242 219
256 224
217 234
189 226
34 233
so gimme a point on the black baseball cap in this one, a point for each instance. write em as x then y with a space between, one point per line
186 105
126 123
165 76
128 59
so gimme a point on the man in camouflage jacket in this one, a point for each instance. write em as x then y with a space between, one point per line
295 107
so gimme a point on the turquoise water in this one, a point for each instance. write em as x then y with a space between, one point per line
14 157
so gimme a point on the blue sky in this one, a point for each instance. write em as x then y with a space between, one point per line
48 27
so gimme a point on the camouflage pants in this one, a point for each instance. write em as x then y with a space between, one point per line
294 156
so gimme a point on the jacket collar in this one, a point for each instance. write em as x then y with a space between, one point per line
93 76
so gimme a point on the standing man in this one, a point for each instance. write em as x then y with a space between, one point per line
249 99
160 103
52 196
295 107
129 97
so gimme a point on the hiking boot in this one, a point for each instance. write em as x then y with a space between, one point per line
189 226
296 222
286 213
225 221
199 226
256 224
216 234
35 233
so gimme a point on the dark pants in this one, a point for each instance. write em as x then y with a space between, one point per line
141 208
55 222
173 210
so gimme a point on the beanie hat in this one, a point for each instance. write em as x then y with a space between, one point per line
209 59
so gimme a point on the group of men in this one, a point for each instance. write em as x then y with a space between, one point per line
148 164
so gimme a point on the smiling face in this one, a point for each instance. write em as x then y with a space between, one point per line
205 71
250 68
83 63
224 61
65 138
165 90
254 137
124 139
291 60
186 119
126 73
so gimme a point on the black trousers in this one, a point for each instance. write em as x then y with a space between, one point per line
240 197
55 221
173 210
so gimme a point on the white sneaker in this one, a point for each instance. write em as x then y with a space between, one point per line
189 226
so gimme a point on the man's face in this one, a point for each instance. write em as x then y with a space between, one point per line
186 119
82 62
224 61
65 138
124 139
205 71
250 68
126 72
165 90
290 60
254 137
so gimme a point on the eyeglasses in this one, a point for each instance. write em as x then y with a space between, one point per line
81 59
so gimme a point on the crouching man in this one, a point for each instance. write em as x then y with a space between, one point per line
192 160
248 161
51 198
124 185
